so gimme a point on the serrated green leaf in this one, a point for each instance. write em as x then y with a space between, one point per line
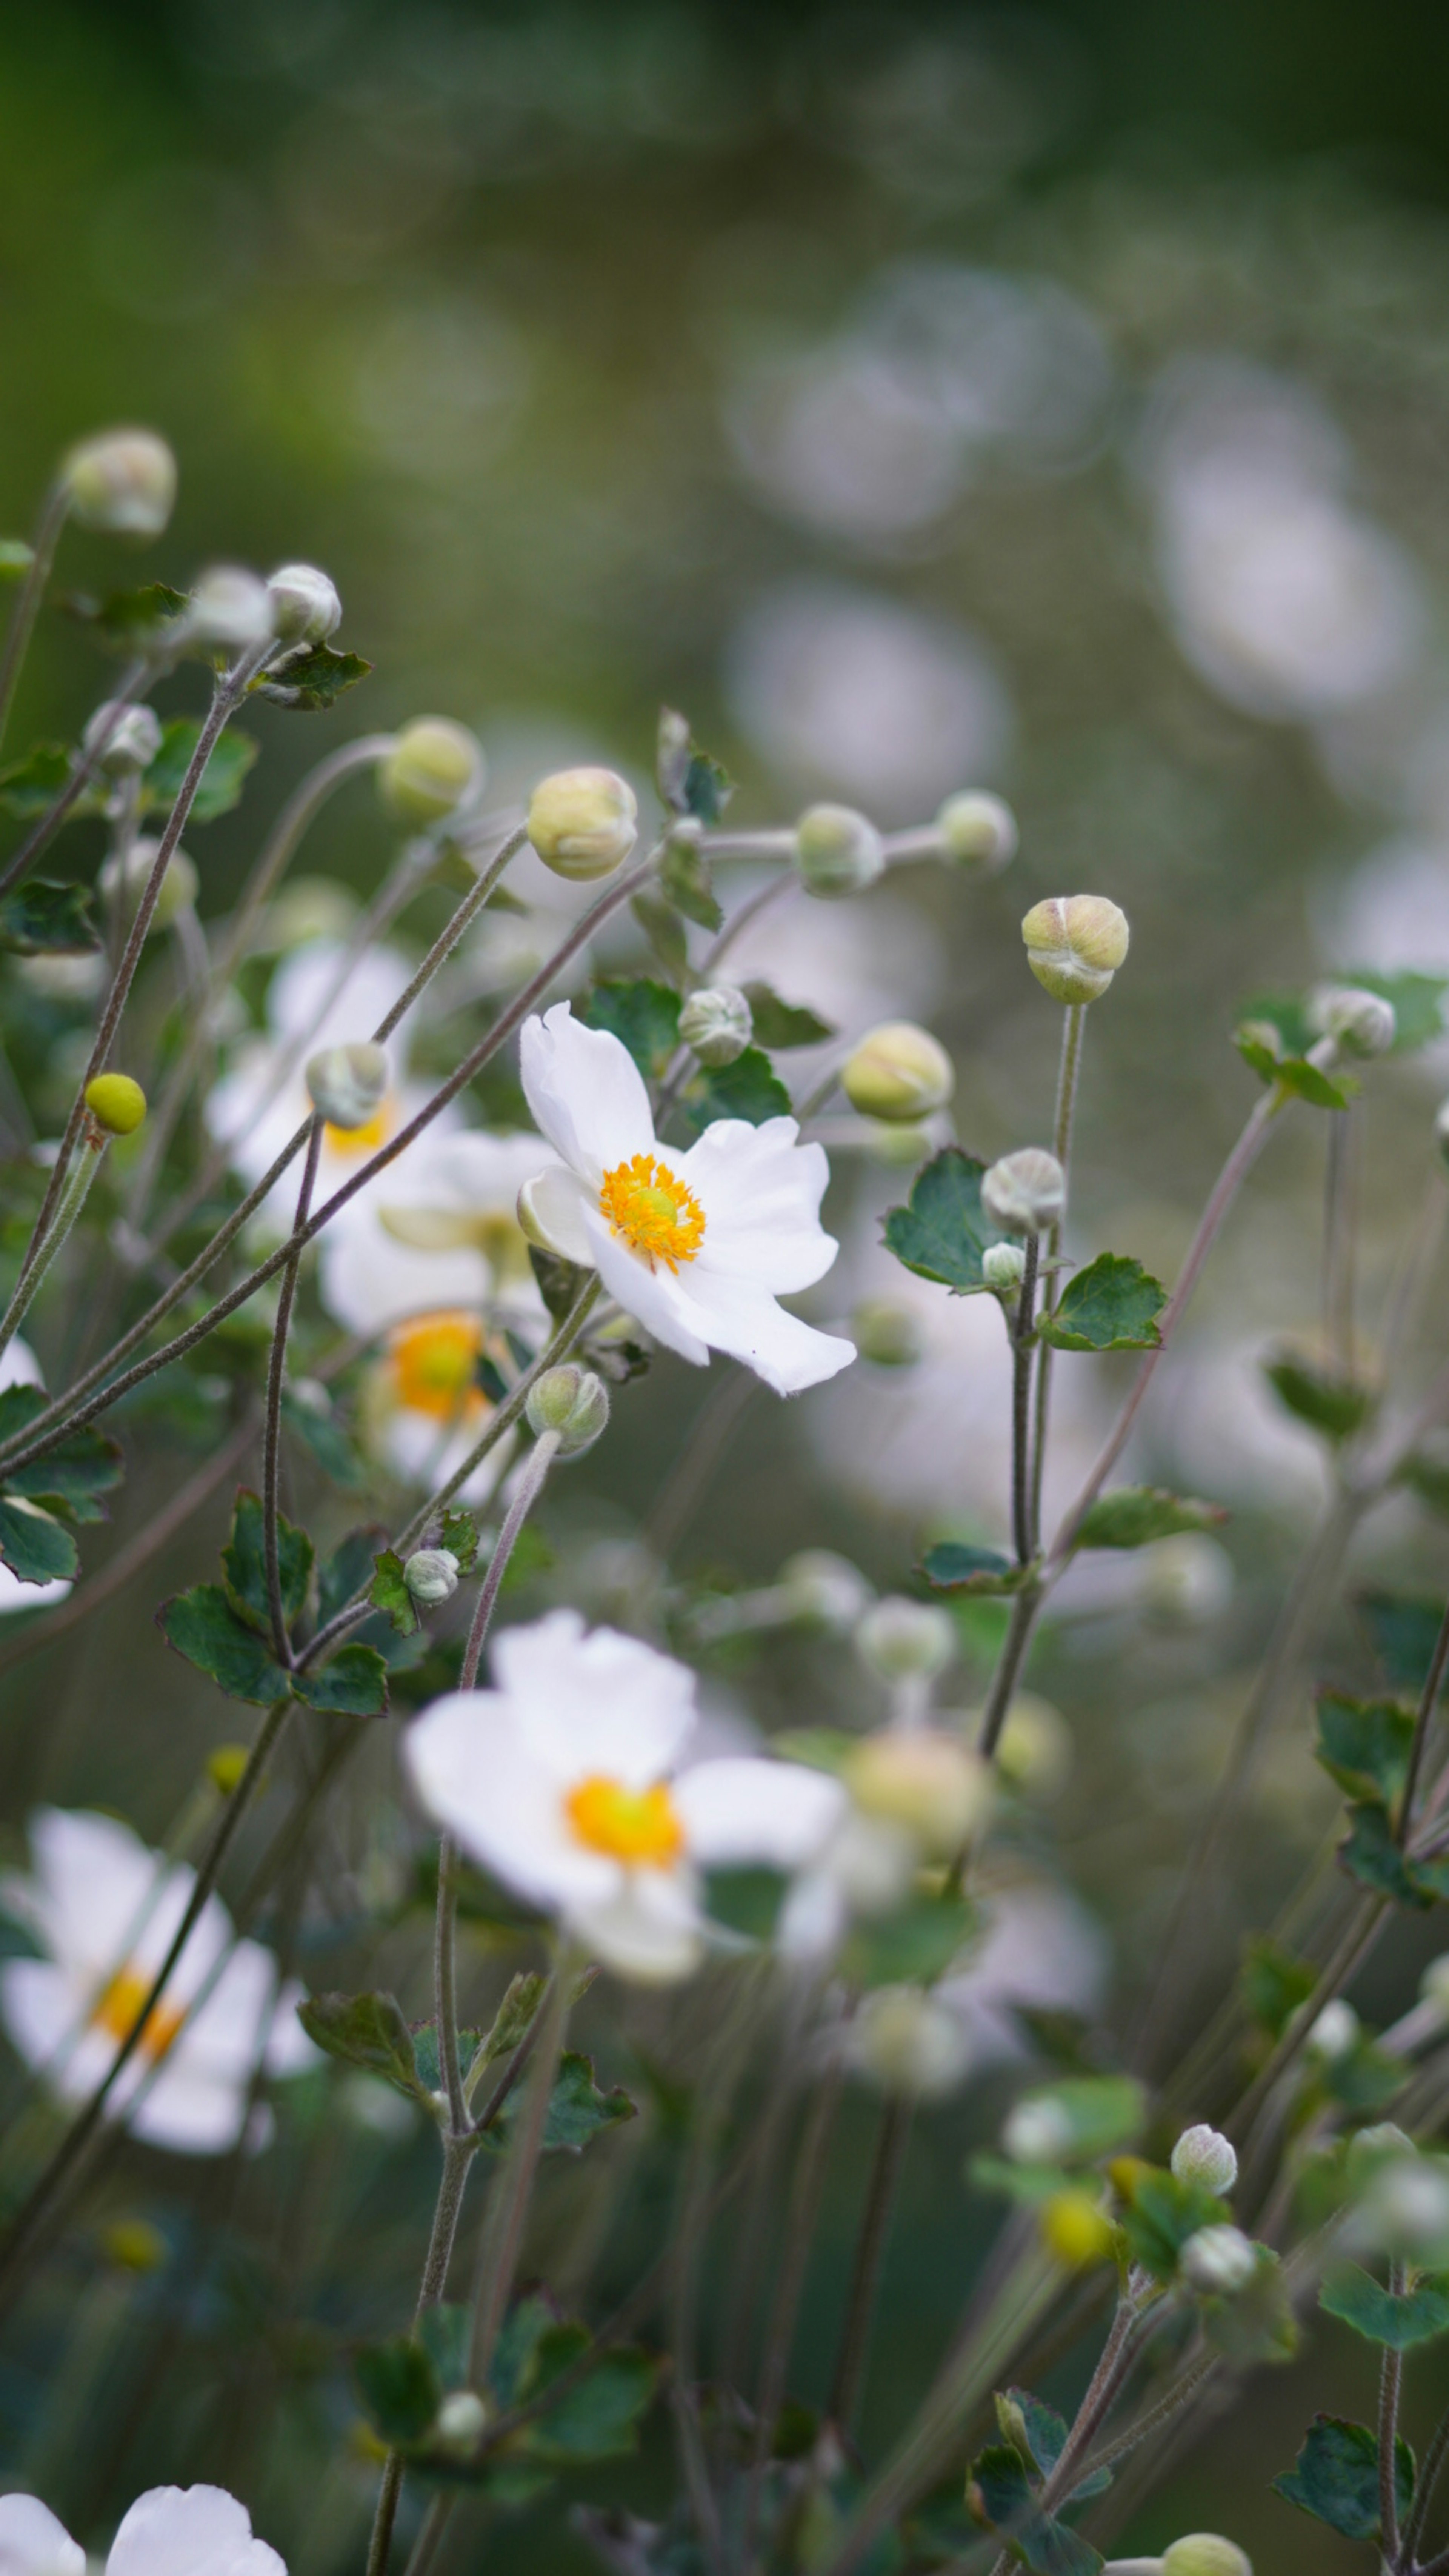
577 2110
664 931
782 1025
1418 1004
314 680
1333 1405
244 1565
1112 1305
222 779
913 1946
1137 1515
1371 1855
524 2327
1403 1630
445 2333
29 787
1040 2434
1274 1984
1336 2477
368 2030
428 2061
999 2495
952 1566
459 1535
708 786
36 1548
642 1015
1160 2214
388 1591
45 919
944 1230
515 2016
346 1570
129 621
71 1478
352 1683
598 2417
1383 2316
749 1088
684 881
400 2389
318 1428
202 1626
1364 1745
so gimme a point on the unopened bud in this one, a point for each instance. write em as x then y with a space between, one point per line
978 831
1361 1023
231 610
305 604
134 2245
572 1402
1075 944
1204 2155
1336 2032
1025 1193
923 1780
131 737
346 1083
898 1072
126 880
1038 2131
1003 1266
1206 2553
824 1588
909 2043
1370 2148
460 2420
904 1640
225 1766
1219 2261
433 767
583 822
116 1103
1186 1579
1405 2208
886 1334
837 851
716 1024
122 483
1076 2230
431 1576
1034 1753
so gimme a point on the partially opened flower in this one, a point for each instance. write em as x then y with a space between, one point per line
423 1406
698 1245
438 1228
104 1910
564 1780
169 2531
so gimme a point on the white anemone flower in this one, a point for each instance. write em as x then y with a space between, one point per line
439 1228
20 1367
423 1408
169 2531
698 1245
104 1910
564 1780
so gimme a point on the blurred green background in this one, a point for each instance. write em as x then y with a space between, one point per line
1054 400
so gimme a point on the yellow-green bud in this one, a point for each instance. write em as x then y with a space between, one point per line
116 1103
131 736
305 604
716 1024
128 882
904 1640
824 1588
1076 2231
433 767
232 610
122 482
1204 2155
978 831
571 1401
1025 1193
1219 2261
898 1072
583 822
1360 1023
134 2245
909 2043
1206 2553
225 1766
837 851
1003 1267
922 1779
886 1334
346 1083
431 1576
1038 2130
1034 1754
1075 944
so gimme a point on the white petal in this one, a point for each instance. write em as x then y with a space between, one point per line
787 1353
813 1918
367 1280
19 1367
778 1814
649 1932
93 1876
761 1192
223 2037
190 2531
298 1004
474 1778
597 1703
186 2111
40 2004
33 2543
658 1298
558 1200
585 1092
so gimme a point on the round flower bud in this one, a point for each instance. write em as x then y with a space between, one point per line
1219 2261
898 1072
715 1024
128 882
232 610
571 1401
1186 1579
431 1576
1370 2148
978 831
1206 2553
582 822
346 1083
905 1640
1405 2208
924 1780
1038 2131
433 767
886 1334
909 2043
1003 1266
304 603
134 2245
1336 2031
122 482
1076 2231
824 1588
1434 1985
1025 1193
116 1103
837 851
224 1767
132 738
1361 1023
1204 2155
1034 1754
460 2420
1075 944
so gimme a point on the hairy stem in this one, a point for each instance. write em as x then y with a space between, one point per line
272 1433
53 513
1023 1507
1068 1076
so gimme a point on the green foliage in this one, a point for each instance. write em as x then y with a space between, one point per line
1274 1037
1112 1305
664 931
314 680
1000 2496
1135 1515
352 1683
912 1946
708 786
749 1088
36 1548
202 1626
70 1478
782 1025
1371 1855
1039 2433
459 1535
1384 2316
1403 1631
388 1592
130 621
428 2058
1274 1985
45 919
1364 1745
1160 2214
952 1566
944 1230
1336 2477
222 779
746 1901
400 2388
578 2111
367 2030
29 787
318 1428
1097 2112
1255 2324
244 1569
641 1014
684 881
1336 1406
1418 1003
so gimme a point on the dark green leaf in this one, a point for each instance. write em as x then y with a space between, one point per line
459 1535
1336 2477
598 2417
347 1570
244 1567
429 2064
1372 1856
1112 1305
400 2389
1403 1631
317 1426
746 1901
1381 2316
951 1566
708 786
445 2333
1160 2214
1332 1404
43 919
130 621
1100 2112
642 1015
29 787
1135 1515
524 2327
314 680
387 1591
202 1626
749 1088
684 881
221 780
944 1230
1365 2079
999 2495
352 1683
515 2016
664 931
1257 2323
1364 1744
781 1025
72 1476
578 2110
1039 2433
1274 1985
913 1946
36 1548
365 2030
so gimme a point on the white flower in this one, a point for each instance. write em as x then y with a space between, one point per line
697 1245
563 1780
438 1228
423 1409
20 1367
169 2531
104 1910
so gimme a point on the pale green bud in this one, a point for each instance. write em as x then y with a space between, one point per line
231 610
346 1083
886 1334
904 1640
1336 2032
978 831
583 822
1025 1193
922 1779
1003 1266
1038 2131
127 883
134 2245
1373 2147
898 1072
1034 1754
1075 944
1360 1023
1219 2261
909 2043
460 2421
122 482
305 604
837 851
1204 2155
433 767
716 1024
131 737
431 1576
571 1401
1206 2553
824 1588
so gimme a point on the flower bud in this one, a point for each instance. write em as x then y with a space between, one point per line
346 1083
225 1766
460 2420
1204 2155
305 605
1076 2231
1370 2148
1336 2032
116 1103
898 1072
1003 1266
1038 2131
1034 1754
1361 1023
1219 2261
1186 1579
1025 1193
122 483
825 1589
905 1640
837 851
231 610
1434 1984
1206 2553
126 881
431 1576
978 831
132 738
571 1401
1075 944
886 1334
716 1024
134 2245
582 822
909 2043
1405 2209
433 767
924 1780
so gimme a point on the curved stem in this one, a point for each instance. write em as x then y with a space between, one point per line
885 2176
272 1435
86 766
54 511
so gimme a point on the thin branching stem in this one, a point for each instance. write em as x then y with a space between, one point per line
54 511
887 2166
1023 1513
272 1430
1069 1074
1391 2374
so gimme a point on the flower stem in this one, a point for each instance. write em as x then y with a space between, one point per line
885 2176
18 865
1391 2375
1024 1512
272 1433
54 511
1068 1077
63 1216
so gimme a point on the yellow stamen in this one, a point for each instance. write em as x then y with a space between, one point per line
119 2006
363 1140
433 1362
636 1826
657 1214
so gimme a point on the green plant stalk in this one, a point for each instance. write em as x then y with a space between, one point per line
272 1428
887 2166
23 859
1391 2374
63 1216
1068 1076
54 511
1025 1515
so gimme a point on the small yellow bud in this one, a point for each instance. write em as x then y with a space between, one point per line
134 2245
978 831
433 767
1076 2231
1075 944
116 1103
923 1780
583 822
1206 2553
122 482
898 1072
225 1766
1034 1754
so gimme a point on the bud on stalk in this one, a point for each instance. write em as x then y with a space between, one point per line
1075 944
572 1402
433 767
837 851
899 1073
977 831
716 1024
431 1576
305 604
583 822
122 740
346 1083
1025 1193
121 483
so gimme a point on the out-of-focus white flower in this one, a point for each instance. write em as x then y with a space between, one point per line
422 1406
1223 1432
698 1245
564 1779
908 2043
1041 1953
169 2531
20 1367
104 1910
439 1228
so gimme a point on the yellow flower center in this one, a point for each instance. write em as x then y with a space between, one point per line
657 1214
433 1362
118 2007
636 1826
363 1140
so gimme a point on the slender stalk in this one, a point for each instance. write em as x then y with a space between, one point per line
1152 2417
785 2308
750 910
1428 2479
1339 1223
509 2211
1068 1076
1364 1927
272 1432
1391 2376
1024 1513
1008 1666
1428 1701
23 859
885 2176
63 1216
53 514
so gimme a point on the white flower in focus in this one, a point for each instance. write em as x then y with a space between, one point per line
169 2531
104 1910
697 1245
563 1781
439 1228
423 1408
20 1367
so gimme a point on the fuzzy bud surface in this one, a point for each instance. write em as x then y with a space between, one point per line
571 1401
1075 944
837 851
131 735
1204 2155
898 1072
433 767
583 822
1025 1193
345 1083
716 1024
121 483
978 831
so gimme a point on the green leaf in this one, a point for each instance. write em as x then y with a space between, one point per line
1274 1984
1403 1631
129 621
1136 1515
1364 1745
951 1566
514 2018
36 1548
365 2030
1418 1002
459 1535
44 919
317 1426
577 2110
29 787
72 1476
1371 1855
1382 2316
429 2063
559 1281
781 1025
314 680
352 1683
1336 2477
16 558
1000 2497
1365 2079
664 931
749 1088
346 1570
445 2333
1160 2214
524 2327
400 2389
387 1591
1274 1037
1257 2323
684 881
746 1901
202 1626
913 1946
1097 2113
244 1566
708 786
1029 2184
1307 1082
1112 1305
1039 2433
642 1015
221 780
598 2417
1334 1405
944 1230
